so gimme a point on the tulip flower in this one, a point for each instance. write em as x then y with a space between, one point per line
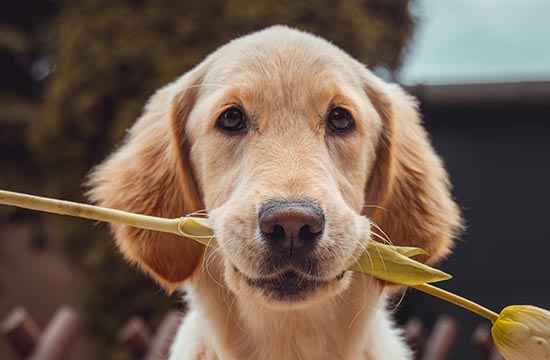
523 332
520 332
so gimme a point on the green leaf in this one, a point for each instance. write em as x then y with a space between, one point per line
392 264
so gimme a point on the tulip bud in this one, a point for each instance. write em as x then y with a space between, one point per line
522 332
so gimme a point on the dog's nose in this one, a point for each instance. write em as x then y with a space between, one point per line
291 227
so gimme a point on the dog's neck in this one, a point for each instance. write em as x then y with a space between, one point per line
247 329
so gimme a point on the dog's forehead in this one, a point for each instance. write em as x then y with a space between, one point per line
279 48
282 64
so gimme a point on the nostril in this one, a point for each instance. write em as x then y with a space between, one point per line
278 232
306 234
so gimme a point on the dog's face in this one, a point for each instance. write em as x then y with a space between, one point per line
283 142
287 142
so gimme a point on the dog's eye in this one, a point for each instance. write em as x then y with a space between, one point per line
340 121
232 120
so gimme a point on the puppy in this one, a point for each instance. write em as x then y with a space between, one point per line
300 156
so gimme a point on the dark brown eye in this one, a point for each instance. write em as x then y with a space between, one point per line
340 121
232 120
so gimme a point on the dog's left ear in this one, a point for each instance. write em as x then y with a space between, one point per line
408 181
151 174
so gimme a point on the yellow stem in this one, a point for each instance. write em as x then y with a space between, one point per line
198 229
89 212
458 300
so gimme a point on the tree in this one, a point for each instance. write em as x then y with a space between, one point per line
110 56
24 39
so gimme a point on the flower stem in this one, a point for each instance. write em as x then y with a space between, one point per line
62 207
196 228
458 300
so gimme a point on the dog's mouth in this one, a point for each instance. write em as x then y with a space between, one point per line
289 285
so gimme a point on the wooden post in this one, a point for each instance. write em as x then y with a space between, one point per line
135 336
483 340
20 331
164 336
495 355
415 335
442 339
58 335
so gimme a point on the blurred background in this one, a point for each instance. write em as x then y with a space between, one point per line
75 74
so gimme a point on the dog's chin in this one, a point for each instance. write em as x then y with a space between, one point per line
286 290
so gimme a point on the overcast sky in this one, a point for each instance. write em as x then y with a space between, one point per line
459 41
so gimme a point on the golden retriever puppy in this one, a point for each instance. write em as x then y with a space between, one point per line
300 156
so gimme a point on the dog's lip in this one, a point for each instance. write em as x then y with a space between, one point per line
288 283
290 274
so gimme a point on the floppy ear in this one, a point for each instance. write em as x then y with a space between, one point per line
408 180
151 174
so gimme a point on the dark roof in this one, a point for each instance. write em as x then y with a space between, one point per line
528 92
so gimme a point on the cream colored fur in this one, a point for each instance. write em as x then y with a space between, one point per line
384 172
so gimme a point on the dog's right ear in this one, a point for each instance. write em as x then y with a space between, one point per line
151 174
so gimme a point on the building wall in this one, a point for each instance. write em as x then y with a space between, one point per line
498 156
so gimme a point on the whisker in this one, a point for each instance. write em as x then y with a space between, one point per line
337 247
377 207
384 240
363 305
335 308
235 316
212 256
344 301
382 260
205 266
398 303
367 253
201 212
208 288
376 226
205 261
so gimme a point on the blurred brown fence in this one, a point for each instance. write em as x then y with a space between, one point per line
20 330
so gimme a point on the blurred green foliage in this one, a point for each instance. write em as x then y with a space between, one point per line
109 56
24 39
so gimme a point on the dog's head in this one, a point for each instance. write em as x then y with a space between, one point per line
300 156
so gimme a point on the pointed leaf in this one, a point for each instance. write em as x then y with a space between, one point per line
386 262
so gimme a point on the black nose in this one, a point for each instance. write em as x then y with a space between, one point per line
291 227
